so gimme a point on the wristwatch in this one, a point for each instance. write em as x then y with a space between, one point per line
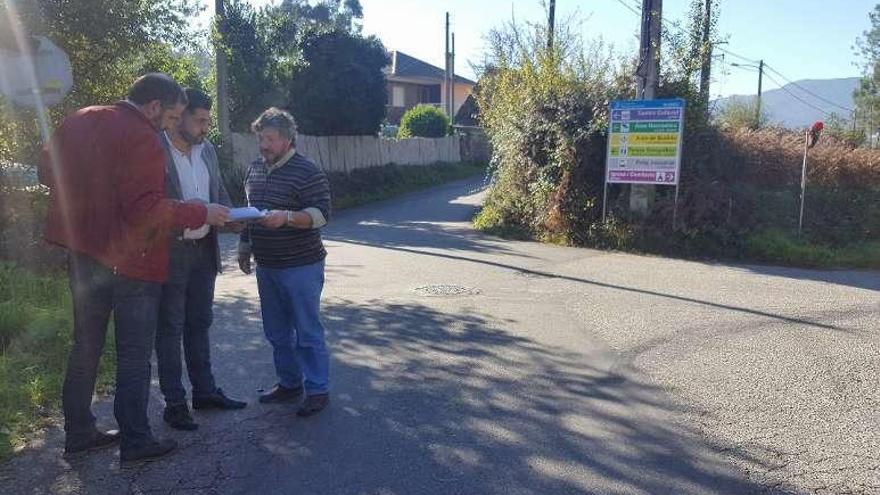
289 218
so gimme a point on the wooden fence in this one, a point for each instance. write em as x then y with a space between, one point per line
347 153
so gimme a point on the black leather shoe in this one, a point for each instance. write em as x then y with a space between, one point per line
152 450
313 405
217 400
97 440
178 417
280 393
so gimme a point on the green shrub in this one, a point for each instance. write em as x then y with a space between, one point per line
423 121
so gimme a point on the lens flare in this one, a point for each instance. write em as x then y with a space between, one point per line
52 168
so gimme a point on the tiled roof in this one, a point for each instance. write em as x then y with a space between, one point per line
403 65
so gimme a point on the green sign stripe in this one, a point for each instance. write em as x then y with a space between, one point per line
646 151
648 127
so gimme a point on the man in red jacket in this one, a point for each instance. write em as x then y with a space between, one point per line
105 167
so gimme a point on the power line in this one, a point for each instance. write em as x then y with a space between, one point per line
805 90
677 26
796 97
741 57
629 7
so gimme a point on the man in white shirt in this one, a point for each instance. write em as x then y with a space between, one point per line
186 310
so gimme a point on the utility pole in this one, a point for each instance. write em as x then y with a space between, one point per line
448 75
647 74
222 74
649 48
760 68
452 82
551 23
760 85
706 69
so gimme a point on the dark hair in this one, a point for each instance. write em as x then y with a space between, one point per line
277 119
197 99
156 86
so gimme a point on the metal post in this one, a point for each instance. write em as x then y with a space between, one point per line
42 117
675 206
605 197
803 183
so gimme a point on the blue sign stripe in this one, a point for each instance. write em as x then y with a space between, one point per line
640 104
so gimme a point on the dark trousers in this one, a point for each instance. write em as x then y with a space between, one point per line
97 291
186 314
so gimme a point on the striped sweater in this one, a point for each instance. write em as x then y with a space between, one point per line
294 186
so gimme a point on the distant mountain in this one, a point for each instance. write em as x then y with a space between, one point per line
784 105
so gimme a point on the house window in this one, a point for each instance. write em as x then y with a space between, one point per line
398 96
429 94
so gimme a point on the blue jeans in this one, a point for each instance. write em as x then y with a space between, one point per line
98 292
290 300
185 315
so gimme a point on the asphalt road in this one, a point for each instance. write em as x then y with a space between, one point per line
465 364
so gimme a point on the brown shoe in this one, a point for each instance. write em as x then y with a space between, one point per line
313 405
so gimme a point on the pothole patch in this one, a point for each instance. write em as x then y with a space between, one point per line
445 290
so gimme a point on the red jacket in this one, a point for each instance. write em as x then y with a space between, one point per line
107 182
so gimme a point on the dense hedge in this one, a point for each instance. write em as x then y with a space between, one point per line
547 120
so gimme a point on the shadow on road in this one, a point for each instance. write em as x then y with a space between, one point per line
426 402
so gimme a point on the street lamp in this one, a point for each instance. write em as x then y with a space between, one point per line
760 68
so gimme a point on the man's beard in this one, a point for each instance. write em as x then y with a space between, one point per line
189 138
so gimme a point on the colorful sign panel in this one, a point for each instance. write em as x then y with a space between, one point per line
644 142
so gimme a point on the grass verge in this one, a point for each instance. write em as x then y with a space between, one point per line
35 337
769 246
778 247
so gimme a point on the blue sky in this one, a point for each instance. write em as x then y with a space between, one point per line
802 39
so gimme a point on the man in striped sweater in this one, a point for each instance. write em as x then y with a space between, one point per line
290 256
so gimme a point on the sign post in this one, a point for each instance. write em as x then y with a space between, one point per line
644 145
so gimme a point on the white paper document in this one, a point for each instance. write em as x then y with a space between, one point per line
245 214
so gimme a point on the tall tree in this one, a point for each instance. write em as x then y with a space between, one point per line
106 40
867 95
308 57
341 89
246 36
687 58
109 42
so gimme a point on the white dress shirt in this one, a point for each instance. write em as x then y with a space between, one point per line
192 173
